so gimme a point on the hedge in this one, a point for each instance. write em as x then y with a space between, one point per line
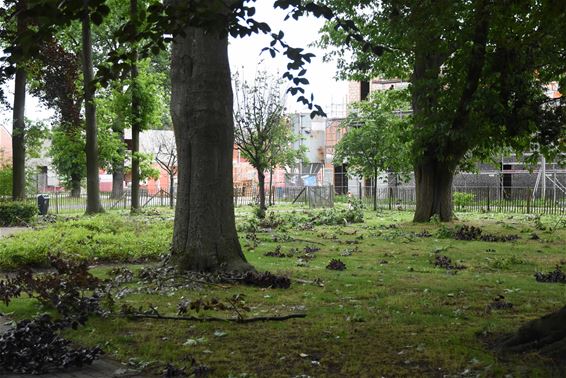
16 213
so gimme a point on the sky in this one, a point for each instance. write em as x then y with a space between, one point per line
244 55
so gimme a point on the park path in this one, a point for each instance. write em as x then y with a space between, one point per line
7 231
102 368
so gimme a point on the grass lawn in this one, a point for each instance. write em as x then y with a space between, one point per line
390 313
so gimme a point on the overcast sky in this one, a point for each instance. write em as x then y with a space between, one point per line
245 57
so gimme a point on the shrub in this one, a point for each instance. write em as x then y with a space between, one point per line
102 238
330 217
461 199
6 181
16 213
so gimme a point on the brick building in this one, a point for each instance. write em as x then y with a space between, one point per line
5 147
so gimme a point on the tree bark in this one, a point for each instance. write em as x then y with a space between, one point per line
171 190
204 237
117 181
375 191
75 186
271 194
19 126
118 169
433 185
136 113
93 205
261 186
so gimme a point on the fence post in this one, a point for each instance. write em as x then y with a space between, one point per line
528 201
488 198
390 193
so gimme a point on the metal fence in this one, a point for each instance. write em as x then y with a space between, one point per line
63 202
312 196
479 199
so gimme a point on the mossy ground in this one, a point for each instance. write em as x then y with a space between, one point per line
390 313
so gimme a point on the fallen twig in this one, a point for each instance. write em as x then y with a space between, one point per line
307 282
214 319
308 241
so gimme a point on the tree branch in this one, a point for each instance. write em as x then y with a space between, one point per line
215 319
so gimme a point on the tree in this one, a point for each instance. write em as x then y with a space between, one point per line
93 204
473 73
258 116
136 110
54 80
18 125
166 157
201 108
282 152
377 138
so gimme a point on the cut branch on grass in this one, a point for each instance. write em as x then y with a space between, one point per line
308 241
216 319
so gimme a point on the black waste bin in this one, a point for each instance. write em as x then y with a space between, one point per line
43 204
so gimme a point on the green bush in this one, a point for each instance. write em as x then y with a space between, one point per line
333 216
16 213
461 199
6 181
101 238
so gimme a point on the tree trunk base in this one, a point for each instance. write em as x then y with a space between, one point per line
192 261
546 335
433 182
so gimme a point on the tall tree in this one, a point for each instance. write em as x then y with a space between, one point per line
166 157
258 115
377 138
136 112
472 69
93 204
201 108
54 80
18 125
283 152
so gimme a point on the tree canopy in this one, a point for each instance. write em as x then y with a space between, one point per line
378 137
477 71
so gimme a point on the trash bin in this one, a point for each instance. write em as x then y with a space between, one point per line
43 204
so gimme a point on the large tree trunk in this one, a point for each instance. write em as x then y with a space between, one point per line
117 181
136 113
75 186
433 185
118 170
18 138
18 133
93 205
261 186
204 237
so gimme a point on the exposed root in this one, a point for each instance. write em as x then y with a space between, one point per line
545 335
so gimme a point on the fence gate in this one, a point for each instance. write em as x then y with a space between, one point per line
320 196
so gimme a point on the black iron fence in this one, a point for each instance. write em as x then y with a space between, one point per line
479 199
313 196
64 202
